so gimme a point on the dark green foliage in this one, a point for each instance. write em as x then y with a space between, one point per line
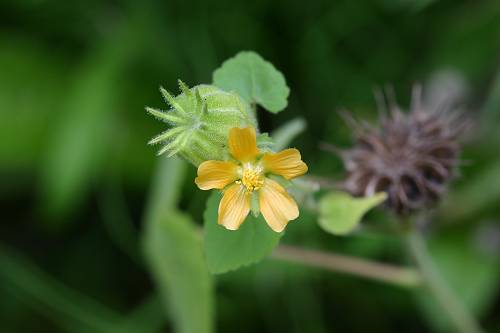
74 80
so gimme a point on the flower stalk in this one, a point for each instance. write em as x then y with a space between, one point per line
400 276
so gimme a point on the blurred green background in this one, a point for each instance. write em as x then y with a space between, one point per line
75 169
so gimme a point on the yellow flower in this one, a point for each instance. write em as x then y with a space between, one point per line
249 176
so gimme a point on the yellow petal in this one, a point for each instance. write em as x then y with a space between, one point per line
215 174
276 205
286 163
243 143
234 207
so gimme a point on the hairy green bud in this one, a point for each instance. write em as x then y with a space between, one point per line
200 120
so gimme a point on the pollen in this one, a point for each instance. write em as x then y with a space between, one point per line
252 178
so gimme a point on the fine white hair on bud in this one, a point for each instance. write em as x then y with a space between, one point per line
200 119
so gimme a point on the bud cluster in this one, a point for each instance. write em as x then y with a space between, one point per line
200 119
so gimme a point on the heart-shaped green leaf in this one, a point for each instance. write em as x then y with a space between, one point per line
340 213
227 249
255 79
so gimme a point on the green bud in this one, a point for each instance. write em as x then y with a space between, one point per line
200 120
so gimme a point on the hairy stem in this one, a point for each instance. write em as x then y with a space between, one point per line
457 313
404 277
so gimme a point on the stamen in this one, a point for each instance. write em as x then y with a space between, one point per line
252 178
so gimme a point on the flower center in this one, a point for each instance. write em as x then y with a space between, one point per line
252 177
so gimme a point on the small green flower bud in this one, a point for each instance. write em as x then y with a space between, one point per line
201 118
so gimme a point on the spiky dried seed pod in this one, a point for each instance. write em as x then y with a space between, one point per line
410 156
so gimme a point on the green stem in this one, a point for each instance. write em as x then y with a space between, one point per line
458 314
401 276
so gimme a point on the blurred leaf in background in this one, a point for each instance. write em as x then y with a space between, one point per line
83 134
173 251
30 86
470 263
